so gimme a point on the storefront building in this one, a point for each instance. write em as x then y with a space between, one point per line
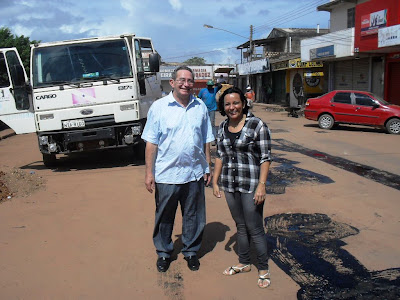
297 80
377 34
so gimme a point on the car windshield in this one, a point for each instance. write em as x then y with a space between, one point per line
74 63
379 99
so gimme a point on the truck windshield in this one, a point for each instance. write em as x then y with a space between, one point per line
74 63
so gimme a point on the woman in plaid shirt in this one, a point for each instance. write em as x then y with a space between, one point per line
242 164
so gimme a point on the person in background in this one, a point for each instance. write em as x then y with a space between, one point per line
250 96
178 167
221 79
208 96
242 165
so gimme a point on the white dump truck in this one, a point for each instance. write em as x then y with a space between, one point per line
83 95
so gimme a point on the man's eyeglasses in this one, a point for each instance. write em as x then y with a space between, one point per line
183 80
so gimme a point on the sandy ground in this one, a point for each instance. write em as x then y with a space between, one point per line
84 230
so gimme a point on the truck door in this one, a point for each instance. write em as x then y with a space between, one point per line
140 68
15 104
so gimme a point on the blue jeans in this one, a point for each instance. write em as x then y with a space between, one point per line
249 223
192 200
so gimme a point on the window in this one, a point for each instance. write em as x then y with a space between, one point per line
18 80
364 100
351 17
86 61
4 80
342 98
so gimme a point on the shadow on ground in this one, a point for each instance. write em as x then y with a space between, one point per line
92 160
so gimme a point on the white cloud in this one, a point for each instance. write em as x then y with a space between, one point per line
176 4
21 30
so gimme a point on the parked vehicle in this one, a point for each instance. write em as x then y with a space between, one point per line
86 94
353 107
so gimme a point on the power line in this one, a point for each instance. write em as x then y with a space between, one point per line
307 9
290 14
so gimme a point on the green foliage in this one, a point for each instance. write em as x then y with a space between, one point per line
195 61
22 43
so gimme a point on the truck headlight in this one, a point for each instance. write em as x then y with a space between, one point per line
46 117
136 130
127 107
43 140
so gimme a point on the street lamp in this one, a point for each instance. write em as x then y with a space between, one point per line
209 26
250 39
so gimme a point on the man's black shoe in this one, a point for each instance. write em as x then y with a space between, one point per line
163 264
193 262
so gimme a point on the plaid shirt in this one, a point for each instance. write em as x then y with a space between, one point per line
241 161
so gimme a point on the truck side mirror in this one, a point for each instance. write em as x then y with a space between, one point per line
154 62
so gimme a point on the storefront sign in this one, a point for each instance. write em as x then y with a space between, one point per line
313 74
254 67
389 36
297 63
372 22
166 72
322 52
200 72
282 65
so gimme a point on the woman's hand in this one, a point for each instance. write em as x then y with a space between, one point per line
260 194
216 191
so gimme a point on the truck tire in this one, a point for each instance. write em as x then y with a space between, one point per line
326 121
393 126
49 160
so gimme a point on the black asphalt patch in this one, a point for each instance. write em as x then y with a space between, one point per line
377 175
309 248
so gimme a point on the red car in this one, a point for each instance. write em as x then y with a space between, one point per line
353 107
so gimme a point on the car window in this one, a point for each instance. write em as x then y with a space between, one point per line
342 98
365 100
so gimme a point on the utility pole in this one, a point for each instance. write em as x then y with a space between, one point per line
251 43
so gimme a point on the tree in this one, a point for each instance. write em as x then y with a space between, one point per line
195 61
22 43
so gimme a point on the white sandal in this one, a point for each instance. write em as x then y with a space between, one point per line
261 278
236 270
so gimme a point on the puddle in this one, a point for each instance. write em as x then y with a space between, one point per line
309 248
377 175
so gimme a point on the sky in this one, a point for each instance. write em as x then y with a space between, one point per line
175 26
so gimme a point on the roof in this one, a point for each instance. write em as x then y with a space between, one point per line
333 4
284 32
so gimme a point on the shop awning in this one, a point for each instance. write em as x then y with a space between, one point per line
223 70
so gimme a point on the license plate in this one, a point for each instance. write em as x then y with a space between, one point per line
74 123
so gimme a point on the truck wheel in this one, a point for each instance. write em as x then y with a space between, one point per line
49 160
393 126
326 121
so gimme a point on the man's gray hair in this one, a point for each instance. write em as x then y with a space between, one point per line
182 68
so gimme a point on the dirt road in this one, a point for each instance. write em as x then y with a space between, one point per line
85 231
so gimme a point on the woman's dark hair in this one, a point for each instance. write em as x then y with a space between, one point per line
232 90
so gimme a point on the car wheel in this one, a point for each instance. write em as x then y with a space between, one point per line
393 126
326 121
49 160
